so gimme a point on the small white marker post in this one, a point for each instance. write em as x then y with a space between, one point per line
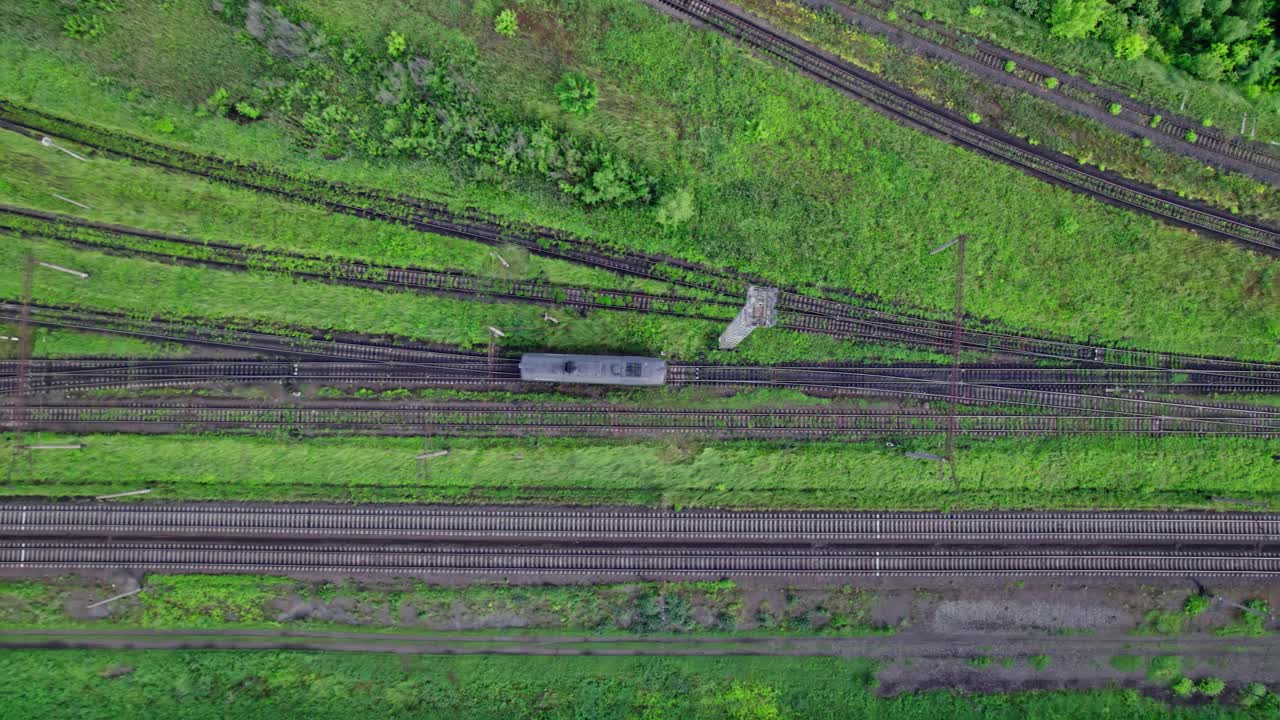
113 598
59 268
502 260
123 494
11 339
424 470
49 143
73 202
548 318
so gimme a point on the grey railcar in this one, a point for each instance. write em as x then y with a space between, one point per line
593 369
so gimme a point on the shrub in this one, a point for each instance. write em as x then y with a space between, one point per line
83 26
248 111
1195 605
1155 120
577 93
1255 693
891 16
977 10
1039 662
1131 46
1207 122
974 118
1146 142
928 15
1182 687
1051 82
1010 66
1190 136
1114 108
506 24
218 102
980 661
676 208
164 125
1250 623
396 44
1211 687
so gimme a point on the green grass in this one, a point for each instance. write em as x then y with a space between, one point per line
282 684
790 180
1042 473
1250 624
60 343
1127 663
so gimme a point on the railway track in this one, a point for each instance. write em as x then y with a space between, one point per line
535 525
800 313
917 383
597 421
852 315
45 556
1077 94
916 112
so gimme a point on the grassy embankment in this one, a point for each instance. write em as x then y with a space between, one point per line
788 179
1022 113
318 685
1063 473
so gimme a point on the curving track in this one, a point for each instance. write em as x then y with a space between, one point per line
531 525
904 106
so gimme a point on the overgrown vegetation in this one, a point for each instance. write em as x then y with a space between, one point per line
315 686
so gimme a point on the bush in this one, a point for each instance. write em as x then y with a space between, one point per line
928 15
1190 136
676 208
1155 120
164 125
506 24
1255 693
396 44
1114 108
218 103
1195 605
1131 46
577 93
891 16
1039 662
1010 66
1207 122
1051 82
974 118
1211 687
248 111
977 10
1182 687
83 26
1146 142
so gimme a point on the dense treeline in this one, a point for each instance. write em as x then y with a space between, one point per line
1217 40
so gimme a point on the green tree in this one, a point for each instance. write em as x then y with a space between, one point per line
1189 10
1183 687
1131 46
1206 66
577 93
506 24
1075 18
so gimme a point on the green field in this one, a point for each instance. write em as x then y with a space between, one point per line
993 474
165 684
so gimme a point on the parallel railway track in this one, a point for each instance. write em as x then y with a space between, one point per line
598 421
43 556
533 525
875 92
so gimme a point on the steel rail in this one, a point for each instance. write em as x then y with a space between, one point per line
42 556
873 91
340 523
531 419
